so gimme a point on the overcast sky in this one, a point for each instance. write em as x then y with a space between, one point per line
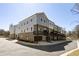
60 14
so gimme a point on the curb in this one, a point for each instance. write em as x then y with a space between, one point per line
65 54
33 44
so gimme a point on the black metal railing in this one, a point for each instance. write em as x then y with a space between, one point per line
44 32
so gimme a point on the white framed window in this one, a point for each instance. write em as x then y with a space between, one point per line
27 29
31 20
41 19
27 22
24 30
24 23
31 28
44 21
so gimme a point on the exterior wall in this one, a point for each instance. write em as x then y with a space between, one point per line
12 29
51 25
26 25
25 29
26 36
42 19
41 27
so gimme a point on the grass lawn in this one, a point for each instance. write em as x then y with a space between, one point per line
75 53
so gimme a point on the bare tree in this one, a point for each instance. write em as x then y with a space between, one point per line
77 31
4 33
75 8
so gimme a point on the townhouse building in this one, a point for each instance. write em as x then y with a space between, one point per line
37 28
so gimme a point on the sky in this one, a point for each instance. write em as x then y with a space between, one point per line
59 13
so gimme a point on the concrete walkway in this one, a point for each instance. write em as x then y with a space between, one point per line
41 43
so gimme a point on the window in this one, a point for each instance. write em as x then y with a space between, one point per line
31 28
27 22
21 24
27 29
40 29
31 20
41 19
19 27
24 23
24 30
50 23
44 21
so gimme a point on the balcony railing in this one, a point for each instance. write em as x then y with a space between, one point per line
37 32
45 32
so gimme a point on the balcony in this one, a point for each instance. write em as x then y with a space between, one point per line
44 32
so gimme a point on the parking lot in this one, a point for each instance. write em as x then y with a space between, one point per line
11 48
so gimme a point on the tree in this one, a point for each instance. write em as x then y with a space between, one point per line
1 31
75 8
69 33
77 30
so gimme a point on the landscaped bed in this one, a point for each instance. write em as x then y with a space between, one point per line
74 53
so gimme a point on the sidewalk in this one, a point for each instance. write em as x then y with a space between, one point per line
65 54
41 43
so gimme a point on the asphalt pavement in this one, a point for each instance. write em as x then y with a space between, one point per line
11 48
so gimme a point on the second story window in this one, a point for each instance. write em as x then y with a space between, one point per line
27 22
41 19
27 29
50 23
24 23
31 28
21 24
24 30
19 27
44 21
31 20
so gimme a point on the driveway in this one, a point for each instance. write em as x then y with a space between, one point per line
12 48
